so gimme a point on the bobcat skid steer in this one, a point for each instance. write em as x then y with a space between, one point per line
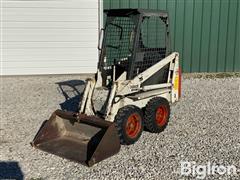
137 78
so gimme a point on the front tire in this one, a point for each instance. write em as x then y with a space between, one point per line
157 114
129 122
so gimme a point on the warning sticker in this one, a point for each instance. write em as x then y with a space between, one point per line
176 80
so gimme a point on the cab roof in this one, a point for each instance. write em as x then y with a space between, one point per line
144 12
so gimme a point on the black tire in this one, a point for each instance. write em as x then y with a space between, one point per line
154 122
123 121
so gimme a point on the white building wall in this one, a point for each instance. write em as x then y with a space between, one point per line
49 37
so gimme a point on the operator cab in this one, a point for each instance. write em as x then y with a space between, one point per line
134 40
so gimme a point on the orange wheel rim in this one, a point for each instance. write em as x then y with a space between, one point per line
161 115
133 125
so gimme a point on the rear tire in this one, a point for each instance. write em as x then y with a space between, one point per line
157 114
129 122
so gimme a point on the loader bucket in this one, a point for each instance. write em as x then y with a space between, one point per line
81 138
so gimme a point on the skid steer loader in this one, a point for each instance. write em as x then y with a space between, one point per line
137 78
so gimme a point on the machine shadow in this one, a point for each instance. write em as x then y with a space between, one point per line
10 170
72 90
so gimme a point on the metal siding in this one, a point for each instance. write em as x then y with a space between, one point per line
205 32
133 3
237 42
124 4
49 37
162 4
188 34
222 35
232 19
179 32
213 48
205 36
197 34
171 7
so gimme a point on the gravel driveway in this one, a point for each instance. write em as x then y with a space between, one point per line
204 127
